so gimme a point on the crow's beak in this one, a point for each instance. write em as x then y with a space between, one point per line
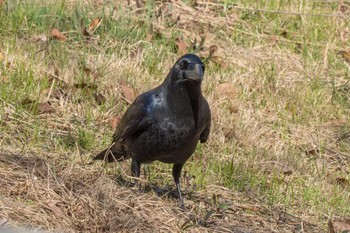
195 72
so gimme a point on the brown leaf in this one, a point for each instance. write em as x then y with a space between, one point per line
345 55
181 46
128 93
89 30
94 24
233 109
331 227
114 122
56 34
342 225
45 107
219 61
342 181
212 50
312 152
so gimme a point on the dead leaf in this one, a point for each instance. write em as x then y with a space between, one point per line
128 93
114 122
345 55
45 107
331 227
219 61
89 30
312 152
212 50
233 109
181 46
94 24
342 181
56 34
342 225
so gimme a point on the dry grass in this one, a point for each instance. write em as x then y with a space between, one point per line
278 156
40 190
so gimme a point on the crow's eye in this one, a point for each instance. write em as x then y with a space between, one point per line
183 65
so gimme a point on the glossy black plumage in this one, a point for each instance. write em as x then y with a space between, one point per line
166 122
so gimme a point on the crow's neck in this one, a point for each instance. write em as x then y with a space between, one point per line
185 98
194 93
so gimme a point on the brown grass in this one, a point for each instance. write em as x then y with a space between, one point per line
279 128
40 190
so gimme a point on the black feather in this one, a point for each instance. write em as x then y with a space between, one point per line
165 123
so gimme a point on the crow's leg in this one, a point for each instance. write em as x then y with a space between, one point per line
176 174
135 169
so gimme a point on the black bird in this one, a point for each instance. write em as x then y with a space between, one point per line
164 123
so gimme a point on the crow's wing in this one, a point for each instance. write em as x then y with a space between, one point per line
136 118
206 114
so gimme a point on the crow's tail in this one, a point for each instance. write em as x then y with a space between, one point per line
111 154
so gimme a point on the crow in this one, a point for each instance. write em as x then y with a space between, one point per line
165 123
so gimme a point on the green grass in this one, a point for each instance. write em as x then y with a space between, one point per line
291 92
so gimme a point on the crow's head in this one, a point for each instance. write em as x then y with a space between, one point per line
188 69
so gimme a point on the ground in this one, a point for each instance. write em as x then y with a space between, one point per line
276 79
